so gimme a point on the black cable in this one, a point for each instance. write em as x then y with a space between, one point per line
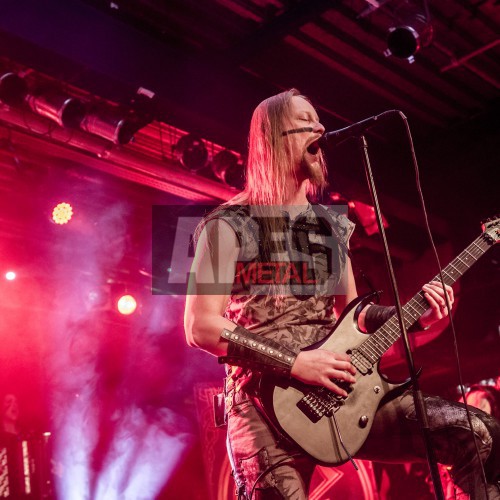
279 463
448 306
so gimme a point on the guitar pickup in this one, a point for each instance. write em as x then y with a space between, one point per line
361 363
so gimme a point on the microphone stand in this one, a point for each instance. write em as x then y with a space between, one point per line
420 408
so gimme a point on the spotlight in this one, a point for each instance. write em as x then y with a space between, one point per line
191 152
65 110
113 125
13 89
126 305
62 213
10 275
225 167
413 32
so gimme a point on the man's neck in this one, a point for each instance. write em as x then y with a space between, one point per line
298 196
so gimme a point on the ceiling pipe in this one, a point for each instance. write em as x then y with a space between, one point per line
459 62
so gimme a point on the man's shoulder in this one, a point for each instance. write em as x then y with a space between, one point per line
336 215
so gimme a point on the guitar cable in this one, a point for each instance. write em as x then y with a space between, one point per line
349 456
448 306
284 461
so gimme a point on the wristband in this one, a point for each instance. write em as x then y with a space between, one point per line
377 315
250 350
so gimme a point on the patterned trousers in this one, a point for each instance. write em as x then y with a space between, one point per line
266 467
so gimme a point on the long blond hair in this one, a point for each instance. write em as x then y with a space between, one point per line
270 165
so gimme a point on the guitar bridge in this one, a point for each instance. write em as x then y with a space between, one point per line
320 402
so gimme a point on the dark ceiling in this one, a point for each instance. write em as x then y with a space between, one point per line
210 62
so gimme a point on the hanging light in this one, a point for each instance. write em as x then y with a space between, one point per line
412 32
114 125
65 110
191 152
226 167
13 89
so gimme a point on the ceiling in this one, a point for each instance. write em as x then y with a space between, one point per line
208 63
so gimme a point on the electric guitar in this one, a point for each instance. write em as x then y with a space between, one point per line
329 427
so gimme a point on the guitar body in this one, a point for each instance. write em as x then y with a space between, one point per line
331 428
322 439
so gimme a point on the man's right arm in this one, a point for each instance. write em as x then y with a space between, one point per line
213 266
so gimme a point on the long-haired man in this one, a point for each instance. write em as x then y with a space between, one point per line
270 276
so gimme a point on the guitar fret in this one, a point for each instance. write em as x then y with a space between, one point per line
452 268
379 342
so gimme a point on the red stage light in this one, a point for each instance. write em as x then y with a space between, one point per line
62 213
126 305
10 275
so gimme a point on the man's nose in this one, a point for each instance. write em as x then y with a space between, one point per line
318 128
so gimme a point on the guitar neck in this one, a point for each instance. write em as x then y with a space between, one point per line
379 342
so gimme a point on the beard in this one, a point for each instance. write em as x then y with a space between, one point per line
312 170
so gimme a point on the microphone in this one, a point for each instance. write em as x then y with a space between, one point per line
356 129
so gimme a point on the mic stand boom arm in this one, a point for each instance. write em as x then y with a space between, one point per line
419 402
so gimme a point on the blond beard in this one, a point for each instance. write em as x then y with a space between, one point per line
313 172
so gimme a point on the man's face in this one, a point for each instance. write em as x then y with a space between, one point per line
303 115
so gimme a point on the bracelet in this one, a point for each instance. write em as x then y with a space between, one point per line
248 349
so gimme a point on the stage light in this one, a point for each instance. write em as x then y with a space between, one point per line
126 305
412 32
225 167
191 152
62 213
13 89
114 125
65 110
10 275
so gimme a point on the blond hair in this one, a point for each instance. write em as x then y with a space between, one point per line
270 165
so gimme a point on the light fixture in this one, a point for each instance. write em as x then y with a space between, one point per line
226 167
112 124
126 304
10 275
191 152
62 213
65 110
412 32
13 89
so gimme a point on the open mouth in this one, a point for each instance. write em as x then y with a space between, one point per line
313 148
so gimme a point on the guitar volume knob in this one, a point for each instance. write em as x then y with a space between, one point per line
363 421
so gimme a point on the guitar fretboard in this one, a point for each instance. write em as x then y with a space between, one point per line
379 342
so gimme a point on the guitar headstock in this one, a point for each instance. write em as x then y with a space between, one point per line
491 229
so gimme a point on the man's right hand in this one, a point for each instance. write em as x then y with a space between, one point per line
320 367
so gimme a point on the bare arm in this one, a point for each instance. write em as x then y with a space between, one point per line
215 261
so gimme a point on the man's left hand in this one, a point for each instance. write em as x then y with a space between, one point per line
434 294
